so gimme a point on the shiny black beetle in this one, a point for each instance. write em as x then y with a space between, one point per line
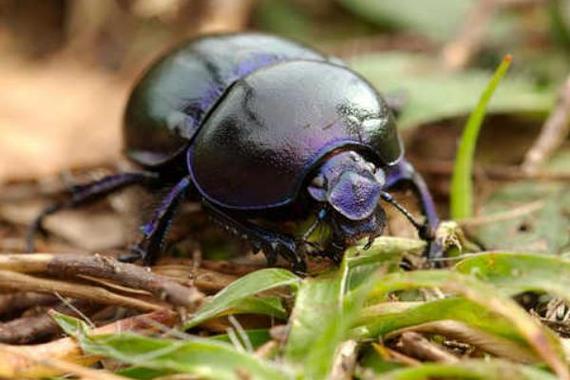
259 128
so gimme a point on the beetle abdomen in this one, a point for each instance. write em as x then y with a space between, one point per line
272 127
169 103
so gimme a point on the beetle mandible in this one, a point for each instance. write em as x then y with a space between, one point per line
257 127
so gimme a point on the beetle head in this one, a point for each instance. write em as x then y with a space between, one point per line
352 187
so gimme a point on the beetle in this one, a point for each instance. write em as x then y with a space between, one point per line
258 128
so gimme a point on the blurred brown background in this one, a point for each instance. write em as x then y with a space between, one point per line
66 68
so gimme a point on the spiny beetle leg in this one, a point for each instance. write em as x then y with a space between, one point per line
271 243
404 173
84 194
155 230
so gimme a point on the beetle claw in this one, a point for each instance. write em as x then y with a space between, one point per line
271 258
135 254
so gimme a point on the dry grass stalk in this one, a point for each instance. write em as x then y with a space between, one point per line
27 361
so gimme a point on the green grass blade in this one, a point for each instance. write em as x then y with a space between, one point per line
515 273
487 369
544 343
207 359
456 316
241 290
327 306
462 182
201 357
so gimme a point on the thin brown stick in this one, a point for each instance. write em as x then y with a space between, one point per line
229 267
63 366
267 349
487 342
22 282
496 172
207 281
458 53
388 354
553 134
514 213
102 267
26 361
15 302
40 327
345 361
417 346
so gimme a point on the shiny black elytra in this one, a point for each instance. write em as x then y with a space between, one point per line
259 128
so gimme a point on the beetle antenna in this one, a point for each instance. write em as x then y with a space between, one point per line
320 217
390 199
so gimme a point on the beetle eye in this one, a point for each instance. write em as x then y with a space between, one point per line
318 181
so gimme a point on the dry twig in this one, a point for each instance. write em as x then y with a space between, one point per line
417 346
36 328
458 53
493 344
97 266
345 361
495 172
553 134
16 302
22 282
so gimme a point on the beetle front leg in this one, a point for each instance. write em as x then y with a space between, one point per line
272 244
405 173
155 230
87 193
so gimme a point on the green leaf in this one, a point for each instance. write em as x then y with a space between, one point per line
326 306
311 327
543 342
380 320
241 290
525 216
431 93
142 373
462 181
438 19
478 325
71 326
256 337
386 252
514 273
271 306
203 358
470 369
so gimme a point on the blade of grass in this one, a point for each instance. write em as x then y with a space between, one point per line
514 273
470 369
241 290
327 306
462 182
472 323
204 358
544 343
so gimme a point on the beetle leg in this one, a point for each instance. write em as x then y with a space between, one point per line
405 173
154 231
272 244
84 194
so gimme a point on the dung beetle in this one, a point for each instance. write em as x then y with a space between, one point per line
258 128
